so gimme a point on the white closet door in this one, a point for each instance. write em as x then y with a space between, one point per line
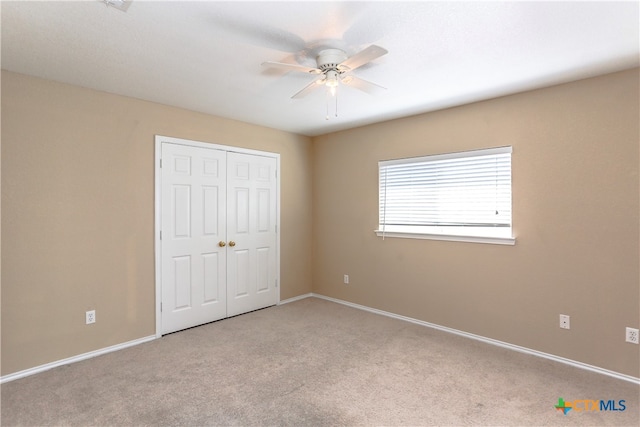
193 213
251 232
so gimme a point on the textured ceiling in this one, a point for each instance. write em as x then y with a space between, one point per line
205 56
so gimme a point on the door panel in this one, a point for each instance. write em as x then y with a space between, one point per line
193 222
210 200
211 264
252 273
181 211
241 276
182 282
262 269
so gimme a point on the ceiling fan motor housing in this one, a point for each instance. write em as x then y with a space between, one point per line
329 59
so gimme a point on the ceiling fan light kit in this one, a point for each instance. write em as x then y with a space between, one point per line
332 67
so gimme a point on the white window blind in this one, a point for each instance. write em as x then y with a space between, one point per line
466 193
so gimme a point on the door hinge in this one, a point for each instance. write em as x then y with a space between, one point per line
276 283
160 307
160 163
160 234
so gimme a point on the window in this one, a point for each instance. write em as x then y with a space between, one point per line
462 196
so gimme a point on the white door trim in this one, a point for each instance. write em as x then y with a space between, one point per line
159 140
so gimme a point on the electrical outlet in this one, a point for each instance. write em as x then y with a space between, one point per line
565 321
90 317
346 279
632 335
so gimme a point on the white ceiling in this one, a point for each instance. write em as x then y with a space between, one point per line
205 56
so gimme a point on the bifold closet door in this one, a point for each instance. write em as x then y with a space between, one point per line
251 233
193 225
219 237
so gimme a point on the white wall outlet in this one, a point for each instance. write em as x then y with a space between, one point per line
565 321
90 317
632 335
346 279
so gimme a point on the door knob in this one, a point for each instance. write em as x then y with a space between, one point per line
232 243
222 244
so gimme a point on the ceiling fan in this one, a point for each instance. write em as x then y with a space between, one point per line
333 67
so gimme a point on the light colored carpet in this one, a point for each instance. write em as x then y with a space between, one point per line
313 363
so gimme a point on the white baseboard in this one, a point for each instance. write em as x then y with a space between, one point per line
298 298
89 355
42 368
78 358
503 344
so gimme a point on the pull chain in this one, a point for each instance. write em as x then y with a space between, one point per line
327 99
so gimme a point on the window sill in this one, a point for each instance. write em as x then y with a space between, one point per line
495 240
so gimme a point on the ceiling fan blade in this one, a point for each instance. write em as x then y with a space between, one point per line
308 88
291 67
362 57
363 85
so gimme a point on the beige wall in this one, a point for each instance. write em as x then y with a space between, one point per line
78 214
575 216
77 218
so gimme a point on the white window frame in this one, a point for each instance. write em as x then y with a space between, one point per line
477 234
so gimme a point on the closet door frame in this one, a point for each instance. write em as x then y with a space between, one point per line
159 140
